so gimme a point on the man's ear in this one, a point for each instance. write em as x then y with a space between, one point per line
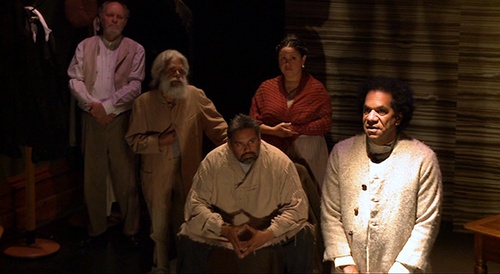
398 120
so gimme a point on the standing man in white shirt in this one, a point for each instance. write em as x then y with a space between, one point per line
106 74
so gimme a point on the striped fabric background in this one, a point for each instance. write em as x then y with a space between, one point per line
449 53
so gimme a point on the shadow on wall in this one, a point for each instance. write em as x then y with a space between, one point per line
306 27
158 26
318 13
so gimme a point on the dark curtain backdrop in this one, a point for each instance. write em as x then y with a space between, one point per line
33 102
234 49
230 46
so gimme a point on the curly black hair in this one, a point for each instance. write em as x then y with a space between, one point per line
402 96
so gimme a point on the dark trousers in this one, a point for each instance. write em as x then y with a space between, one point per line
293 256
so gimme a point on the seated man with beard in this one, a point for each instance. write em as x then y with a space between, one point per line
247 211
166 128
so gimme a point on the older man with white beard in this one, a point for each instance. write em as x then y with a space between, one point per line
166 129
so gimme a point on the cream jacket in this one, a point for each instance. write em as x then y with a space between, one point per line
381 213
269 196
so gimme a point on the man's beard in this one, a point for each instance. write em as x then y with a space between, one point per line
113 30
249 160
179 91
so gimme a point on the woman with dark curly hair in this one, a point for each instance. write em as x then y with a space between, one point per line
294 109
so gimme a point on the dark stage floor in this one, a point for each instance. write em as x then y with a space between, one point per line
112 256
453 252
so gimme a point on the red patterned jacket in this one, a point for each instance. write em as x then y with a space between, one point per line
310 113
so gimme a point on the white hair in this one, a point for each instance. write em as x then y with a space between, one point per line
161 62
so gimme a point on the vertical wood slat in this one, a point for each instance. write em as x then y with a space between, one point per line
477 175
448 51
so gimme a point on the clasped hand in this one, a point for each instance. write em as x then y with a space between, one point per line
245 239
284 130
99 113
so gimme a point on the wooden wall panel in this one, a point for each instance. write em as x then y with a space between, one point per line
58 190
448 51
477 176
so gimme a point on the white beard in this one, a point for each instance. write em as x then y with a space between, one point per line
175 92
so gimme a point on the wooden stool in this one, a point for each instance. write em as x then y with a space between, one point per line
486 242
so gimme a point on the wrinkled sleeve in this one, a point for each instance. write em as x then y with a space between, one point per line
255 111
76 82
198 212
295 208
336 243
132 89
214 125
416 251
138 136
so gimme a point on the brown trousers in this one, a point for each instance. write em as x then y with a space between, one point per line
166 217
106 153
